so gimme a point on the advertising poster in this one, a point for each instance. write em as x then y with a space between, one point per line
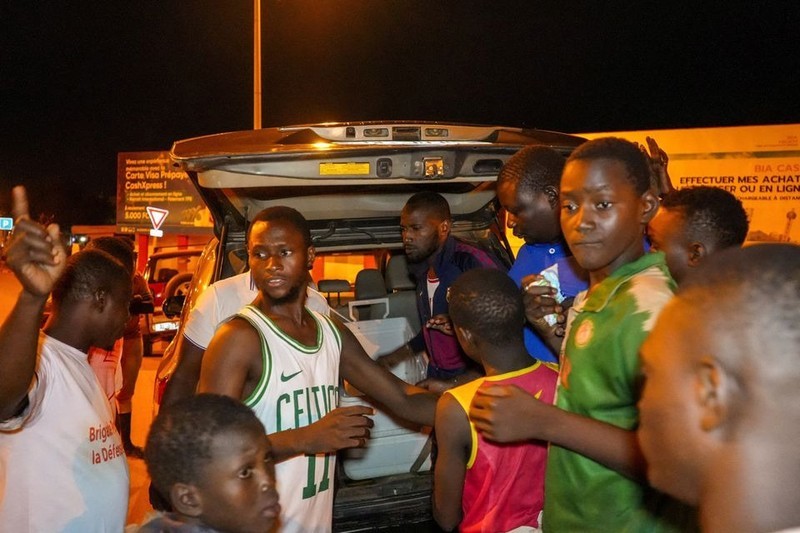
149 187
759 164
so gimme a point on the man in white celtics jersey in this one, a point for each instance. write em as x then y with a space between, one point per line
215 305
284 361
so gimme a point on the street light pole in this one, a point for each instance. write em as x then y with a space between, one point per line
256 64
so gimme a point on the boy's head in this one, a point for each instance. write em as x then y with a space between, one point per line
96 289
722 365
486 308
425 225
282 213
606 203
210 456
527 188
694 222
280 253
120 248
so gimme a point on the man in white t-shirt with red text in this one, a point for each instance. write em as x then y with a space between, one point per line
62 464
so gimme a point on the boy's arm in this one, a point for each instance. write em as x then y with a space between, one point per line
141 288
198 330
396 357
186 375
509 414
403 399
232 362
37 258
454 441
229 360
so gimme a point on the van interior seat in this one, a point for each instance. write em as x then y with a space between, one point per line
237 261
402 292
398 278
333 286
369 285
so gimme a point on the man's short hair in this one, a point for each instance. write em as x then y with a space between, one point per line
710 212
282 213
430 202
178 446
621 150
119 247
88 272
748 298
488 303
533 168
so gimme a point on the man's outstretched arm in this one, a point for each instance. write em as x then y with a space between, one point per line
403 399
183 382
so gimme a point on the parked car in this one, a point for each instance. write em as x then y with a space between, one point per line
350 181
168 273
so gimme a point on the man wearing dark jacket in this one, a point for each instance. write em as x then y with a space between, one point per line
436 259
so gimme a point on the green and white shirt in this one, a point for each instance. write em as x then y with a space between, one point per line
599 377
298 386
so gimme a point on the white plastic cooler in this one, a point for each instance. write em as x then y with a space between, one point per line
395 446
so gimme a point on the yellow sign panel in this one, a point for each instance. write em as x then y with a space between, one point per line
344 169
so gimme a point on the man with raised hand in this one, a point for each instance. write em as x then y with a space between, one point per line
62 465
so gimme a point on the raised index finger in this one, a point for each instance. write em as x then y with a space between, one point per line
19 203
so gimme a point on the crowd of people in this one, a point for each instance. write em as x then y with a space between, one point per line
634 370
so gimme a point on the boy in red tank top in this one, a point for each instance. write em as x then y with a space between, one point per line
480 485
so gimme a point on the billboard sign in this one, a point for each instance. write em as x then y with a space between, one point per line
152 195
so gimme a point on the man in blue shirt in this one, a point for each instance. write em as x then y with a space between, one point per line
528 189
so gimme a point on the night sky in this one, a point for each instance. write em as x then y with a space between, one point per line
81 81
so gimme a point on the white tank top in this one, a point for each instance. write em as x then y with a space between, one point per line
298 386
